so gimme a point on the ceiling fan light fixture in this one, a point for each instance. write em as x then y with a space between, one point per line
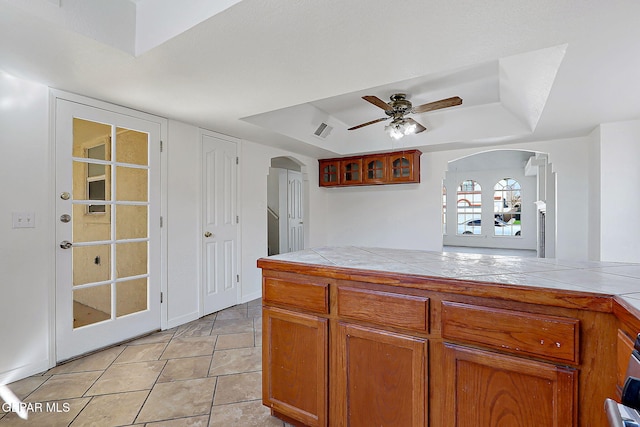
399 128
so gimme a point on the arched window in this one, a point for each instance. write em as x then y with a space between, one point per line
507 203
469 207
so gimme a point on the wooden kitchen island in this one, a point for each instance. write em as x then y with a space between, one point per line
365 337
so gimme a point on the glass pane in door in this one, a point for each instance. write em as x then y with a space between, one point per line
131 296
91 305
109 221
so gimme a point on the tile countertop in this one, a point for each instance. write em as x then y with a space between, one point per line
607 278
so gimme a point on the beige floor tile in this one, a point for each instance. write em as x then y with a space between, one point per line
94 362
199 328
64 386
232 326
157 337
225 362
258 336
185 369
183 422
189 347
255 303
127 377
232 313
238 388
255 312
245 414
178 399
52 415
235 341
111 409
141 353
26 386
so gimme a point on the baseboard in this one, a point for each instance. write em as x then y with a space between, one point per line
25 371
186 318
251 297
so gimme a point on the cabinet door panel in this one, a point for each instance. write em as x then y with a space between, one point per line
382 376
493 390
294 355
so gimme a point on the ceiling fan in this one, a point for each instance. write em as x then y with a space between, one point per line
398 108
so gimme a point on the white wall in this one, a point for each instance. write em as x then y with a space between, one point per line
255 160
595 191
26 255
182 222
619 181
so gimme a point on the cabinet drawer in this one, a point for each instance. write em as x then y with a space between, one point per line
384 308
551 337
301 294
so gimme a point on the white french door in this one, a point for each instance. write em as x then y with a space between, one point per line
219 224
108 227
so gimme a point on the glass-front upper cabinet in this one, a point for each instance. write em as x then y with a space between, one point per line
404 166
400 167
329 172
351 171
375 169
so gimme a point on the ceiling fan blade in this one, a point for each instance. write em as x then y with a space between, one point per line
378 102
419 127
443 103
368 123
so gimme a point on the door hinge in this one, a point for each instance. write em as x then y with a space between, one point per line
161 222
161 146
161 297
237 219
237 160
238 278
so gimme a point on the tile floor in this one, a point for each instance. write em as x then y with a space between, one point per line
205 373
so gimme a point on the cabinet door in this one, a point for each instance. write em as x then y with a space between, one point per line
404 167
494 390
375 169
381 378
351 171
294 372
329 172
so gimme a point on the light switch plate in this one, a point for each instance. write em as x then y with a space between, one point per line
24 219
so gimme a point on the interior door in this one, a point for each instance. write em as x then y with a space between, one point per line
219 224
108 228
295 211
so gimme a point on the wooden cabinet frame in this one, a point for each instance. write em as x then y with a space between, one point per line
373 169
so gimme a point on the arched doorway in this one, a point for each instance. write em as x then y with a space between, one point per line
500 201
285 206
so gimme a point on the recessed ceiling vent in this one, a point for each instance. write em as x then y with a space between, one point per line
323 130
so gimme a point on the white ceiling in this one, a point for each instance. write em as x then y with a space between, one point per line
270 71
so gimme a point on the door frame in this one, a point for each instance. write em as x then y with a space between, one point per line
201 278
54 95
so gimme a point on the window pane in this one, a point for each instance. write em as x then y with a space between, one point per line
91 264
132 147
131 222
88 136
131 259
469 208
88 227
91 305
131 184
131 296
507 202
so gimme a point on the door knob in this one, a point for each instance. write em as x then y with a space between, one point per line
208 234
65 244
